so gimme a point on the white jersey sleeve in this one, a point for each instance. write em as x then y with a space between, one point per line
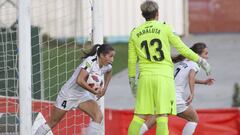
181 73
194 66
88 63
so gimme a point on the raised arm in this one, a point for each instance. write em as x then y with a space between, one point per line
180 46
186 51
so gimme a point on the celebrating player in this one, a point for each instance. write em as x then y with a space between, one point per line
149 43
76 93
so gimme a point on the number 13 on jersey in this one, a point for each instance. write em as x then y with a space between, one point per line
158 54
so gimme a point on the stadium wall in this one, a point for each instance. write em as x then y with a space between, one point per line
212 121
214 16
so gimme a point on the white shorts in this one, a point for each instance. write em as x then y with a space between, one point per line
181 103
181 108
65 102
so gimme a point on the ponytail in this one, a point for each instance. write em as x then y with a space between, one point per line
98 49
197 48
178 58
92 52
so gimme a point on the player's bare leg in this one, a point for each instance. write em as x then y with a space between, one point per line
191 116
56 115
92 109
162 127
150 122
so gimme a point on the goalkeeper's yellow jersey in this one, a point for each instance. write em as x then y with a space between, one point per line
149 44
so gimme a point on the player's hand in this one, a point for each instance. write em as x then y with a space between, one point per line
133 85
209 81
189 99
96 90
205 65
101 93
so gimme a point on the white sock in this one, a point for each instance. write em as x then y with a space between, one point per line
189 128
43 130
93 129
143 129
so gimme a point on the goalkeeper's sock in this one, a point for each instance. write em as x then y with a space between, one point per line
143 129
189 128
135 125
162 126
43 130
93 128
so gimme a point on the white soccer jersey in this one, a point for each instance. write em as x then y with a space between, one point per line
181 78
71 89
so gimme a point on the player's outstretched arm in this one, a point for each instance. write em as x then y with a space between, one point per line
208 81
180 46
186 51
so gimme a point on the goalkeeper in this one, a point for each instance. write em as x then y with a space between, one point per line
150 43
76 93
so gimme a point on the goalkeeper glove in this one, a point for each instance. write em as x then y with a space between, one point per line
133 85
204 64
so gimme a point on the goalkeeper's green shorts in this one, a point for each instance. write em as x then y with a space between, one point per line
155 95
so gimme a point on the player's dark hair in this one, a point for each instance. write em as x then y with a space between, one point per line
197 48
149 10
98 49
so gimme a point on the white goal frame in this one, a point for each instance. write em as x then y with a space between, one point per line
25 65
25 71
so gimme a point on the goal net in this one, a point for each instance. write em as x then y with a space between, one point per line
60 31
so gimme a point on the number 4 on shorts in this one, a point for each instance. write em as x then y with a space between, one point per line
64 104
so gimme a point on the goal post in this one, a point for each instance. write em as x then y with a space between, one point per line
41 44
97 22
25 65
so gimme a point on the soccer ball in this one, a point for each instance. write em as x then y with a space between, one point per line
95 80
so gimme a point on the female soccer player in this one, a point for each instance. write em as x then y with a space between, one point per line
76 93
185 73
150 45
